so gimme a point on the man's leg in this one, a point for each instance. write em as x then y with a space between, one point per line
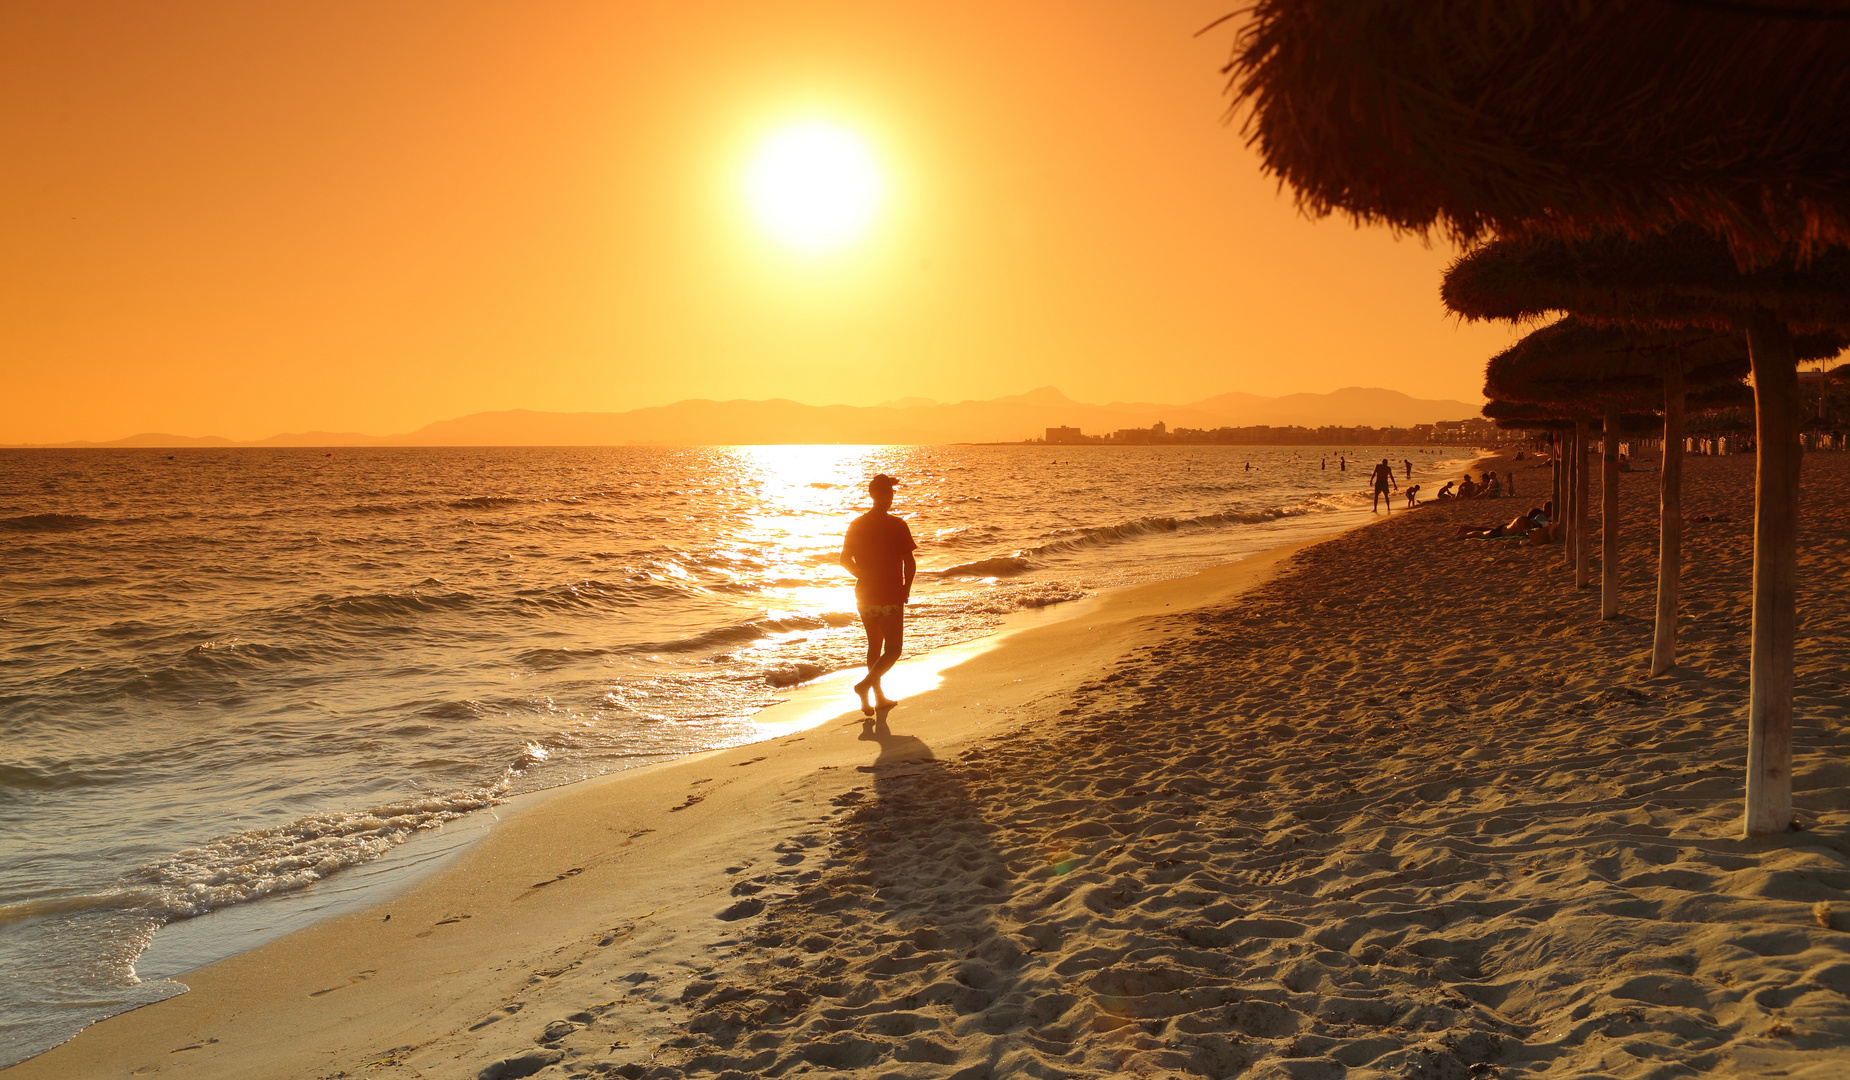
876 631
892 638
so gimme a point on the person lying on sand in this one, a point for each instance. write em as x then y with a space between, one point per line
1547 532
878 552
1520 525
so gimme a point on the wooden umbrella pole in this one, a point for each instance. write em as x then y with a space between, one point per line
1570 444
1555 511
1776 527
1609 515
1582 575
1669 523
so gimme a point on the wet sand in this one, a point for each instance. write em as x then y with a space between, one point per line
1385 805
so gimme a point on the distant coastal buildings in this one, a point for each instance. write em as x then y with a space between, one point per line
1472 432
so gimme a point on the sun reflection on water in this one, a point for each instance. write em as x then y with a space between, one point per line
802 498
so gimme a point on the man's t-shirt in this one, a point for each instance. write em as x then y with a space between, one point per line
879 543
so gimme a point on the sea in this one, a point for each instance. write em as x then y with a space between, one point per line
236 680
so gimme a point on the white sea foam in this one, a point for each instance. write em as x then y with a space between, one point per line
245 866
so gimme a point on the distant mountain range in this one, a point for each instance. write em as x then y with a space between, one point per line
907 420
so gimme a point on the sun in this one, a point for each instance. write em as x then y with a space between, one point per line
814 187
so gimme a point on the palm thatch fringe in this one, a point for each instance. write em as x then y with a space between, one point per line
1475 118
1679 278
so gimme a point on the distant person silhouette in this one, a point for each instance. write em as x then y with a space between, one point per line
1342 464
1324 464
878 552
1409 464
1382 477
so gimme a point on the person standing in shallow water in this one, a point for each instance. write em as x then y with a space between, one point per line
1382 477
878 552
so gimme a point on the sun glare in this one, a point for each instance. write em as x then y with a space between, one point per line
814 187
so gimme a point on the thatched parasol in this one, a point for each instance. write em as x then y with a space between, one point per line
1680 278
1606 370
1688 279
1554 117
1563 118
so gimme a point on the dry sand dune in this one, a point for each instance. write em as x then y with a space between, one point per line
1407 811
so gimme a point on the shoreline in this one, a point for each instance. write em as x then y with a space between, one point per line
181 947
668 860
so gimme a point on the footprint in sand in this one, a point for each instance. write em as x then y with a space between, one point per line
498 1015
573 872
351 980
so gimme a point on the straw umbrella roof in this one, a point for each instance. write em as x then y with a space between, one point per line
1680 277
1475 118
1527 415
1561 416
1729 395
1576 362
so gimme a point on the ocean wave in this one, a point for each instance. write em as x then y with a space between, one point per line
964 537
794 674
1023 598
387 605
44 777
1068 540
245 866
223 656
1000 566
49 523
750 630
486 502
602 594
546 659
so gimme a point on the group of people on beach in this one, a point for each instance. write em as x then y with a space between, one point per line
1488 488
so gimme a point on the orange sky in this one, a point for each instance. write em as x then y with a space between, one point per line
249 217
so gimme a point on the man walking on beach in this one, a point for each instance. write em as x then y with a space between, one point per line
878 552
1383 476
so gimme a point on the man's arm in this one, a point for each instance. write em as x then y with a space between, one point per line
912 568
848 564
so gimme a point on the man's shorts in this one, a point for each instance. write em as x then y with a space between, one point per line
881 611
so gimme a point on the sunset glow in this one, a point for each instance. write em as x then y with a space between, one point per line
276 220
814 187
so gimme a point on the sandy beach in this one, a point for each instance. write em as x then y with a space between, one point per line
1385 805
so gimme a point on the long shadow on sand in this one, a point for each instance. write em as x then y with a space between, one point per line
895 957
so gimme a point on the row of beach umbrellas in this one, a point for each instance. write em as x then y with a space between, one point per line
1674 179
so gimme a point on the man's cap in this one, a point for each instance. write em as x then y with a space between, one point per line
881 482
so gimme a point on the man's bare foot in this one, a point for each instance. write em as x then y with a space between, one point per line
861 689
883 701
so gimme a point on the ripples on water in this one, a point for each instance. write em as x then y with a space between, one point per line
229 673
